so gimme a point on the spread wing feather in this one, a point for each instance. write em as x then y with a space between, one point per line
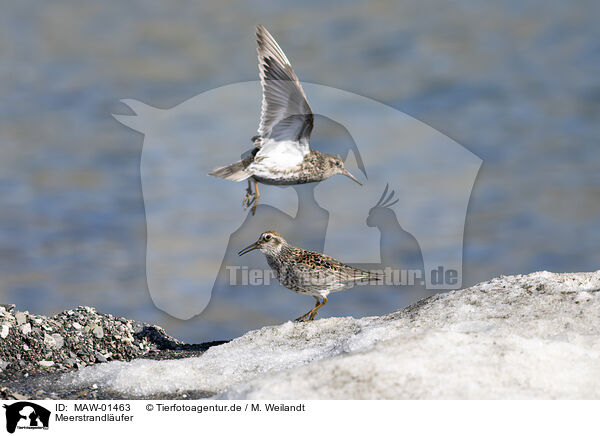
286 116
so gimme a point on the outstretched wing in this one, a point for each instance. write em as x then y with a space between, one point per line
286 118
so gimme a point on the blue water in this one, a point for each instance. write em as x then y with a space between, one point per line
516 83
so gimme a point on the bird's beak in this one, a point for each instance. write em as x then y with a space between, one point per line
249 248
347 174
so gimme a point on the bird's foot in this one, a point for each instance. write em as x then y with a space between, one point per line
303 317
310 315
249 199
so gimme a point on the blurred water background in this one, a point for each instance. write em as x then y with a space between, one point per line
515 82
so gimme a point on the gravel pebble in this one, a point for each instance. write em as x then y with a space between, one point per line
98 332
20 317
58 339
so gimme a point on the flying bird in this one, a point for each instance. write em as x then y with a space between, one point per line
282 153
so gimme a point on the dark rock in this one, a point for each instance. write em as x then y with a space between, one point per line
7 307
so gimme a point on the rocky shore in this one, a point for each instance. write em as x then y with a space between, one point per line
35 349
529 336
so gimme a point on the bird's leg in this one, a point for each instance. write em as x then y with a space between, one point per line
301 318
247 201
313 312
256 197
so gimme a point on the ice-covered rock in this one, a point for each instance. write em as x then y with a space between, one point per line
531 336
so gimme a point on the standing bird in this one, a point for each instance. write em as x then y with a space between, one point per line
282 153
307 272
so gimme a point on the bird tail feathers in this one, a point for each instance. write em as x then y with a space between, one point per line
235 172
369 277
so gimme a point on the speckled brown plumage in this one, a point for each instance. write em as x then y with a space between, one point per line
307 272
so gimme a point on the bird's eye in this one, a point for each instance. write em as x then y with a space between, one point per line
338 163
267 237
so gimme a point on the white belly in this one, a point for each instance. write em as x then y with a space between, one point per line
277 160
